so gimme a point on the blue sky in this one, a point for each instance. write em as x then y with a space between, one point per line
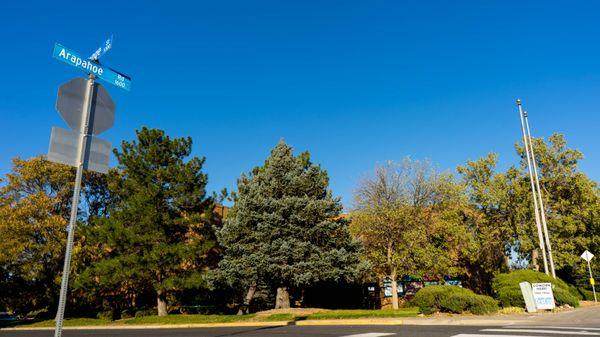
355 83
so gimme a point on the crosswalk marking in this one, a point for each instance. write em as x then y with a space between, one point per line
480 335
586 333
371 334
550 327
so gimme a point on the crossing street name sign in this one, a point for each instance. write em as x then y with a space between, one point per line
107 74
102 50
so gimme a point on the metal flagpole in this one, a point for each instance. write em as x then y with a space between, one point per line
83 136
539 193
535 204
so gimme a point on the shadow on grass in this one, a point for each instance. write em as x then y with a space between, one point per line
15 324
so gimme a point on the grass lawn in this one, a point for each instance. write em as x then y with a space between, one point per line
191 319
67 322
187 319
281 317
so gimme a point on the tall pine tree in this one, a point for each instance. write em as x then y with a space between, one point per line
158 237
285 228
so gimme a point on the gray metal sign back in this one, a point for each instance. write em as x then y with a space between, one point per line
63 149
69 104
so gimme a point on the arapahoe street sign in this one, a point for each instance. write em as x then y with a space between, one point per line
107 74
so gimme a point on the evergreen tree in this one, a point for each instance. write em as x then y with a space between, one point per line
158 237
285 228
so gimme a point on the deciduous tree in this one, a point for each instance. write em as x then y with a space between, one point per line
35 204
411 221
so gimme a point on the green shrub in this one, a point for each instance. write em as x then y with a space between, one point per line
455 303
107 315
573 290
145 312
581 293
586 295
507 291
482 305
562 296
41 314
452 299
127 313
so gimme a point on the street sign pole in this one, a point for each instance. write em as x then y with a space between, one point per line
83 137
592 280
588 256
533 191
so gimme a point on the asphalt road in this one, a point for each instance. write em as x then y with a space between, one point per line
330 331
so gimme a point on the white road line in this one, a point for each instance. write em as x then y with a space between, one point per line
550 327
479 335
371 334
586 333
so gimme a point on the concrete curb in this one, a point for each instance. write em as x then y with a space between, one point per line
161 326
324 322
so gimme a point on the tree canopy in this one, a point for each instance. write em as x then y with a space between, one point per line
285 227
35 203
411 221
158 237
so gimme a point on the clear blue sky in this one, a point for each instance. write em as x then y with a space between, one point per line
355 83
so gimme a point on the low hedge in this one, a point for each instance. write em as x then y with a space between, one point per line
507 291
453 299
581 293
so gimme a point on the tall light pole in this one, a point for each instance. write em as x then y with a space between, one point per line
533 189
539 194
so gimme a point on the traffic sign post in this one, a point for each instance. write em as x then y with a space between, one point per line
60 313
89 110
587 256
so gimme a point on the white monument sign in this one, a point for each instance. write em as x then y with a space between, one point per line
543 295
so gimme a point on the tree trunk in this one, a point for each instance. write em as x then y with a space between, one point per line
394 290
534 260
161 303
282 301
245 308
300 301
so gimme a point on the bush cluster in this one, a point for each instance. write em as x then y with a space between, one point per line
107 315
507 291
453 299
581 293
144 313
